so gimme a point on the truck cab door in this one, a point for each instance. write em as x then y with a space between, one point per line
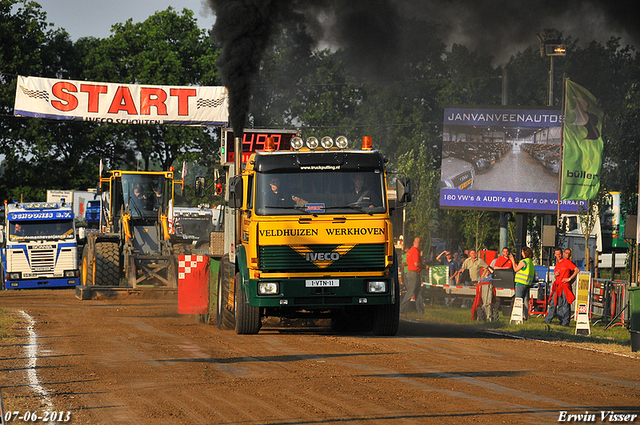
235 192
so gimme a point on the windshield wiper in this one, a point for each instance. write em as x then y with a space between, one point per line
295 207
350 207
135 206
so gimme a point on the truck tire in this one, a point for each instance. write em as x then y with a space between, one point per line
386 318
224 317
107 264
247 317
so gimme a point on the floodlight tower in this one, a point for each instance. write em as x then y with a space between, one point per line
551 46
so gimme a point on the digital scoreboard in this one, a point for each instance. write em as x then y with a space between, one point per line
253 141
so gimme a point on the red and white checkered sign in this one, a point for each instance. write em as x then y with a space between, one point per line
193 284
188 264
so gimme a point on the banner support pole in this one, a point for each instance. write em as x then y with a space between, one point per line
561 166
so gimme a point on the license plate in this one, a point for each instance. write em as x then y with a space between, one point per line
322 283
465 184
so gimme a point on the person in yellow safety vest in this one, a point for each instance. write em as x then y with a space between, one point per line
525 270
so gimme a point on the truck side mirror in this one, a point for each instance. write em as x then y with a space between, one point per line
403 190
235 192
199 186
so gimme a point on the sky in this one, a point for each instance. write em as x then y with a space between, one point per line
82 18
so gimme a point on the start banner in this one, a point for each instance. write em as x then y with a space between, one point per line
121 103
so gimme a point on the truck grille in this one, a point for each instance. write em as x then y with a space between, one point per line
42 260
289 259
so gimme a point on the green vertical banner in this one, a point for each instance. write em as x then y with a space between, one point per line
582 145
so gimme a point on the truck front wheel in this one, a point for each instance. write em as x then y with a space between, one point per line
247 316
224 317
386 318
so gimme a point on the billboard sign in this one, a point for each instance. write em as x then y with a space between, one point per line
503 159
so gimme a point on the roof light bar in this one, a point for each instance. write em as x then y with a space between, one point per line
312 142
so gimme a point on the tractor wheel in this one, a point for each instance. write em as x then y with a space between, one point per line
247 316
224 316
180 249
107 264
86 272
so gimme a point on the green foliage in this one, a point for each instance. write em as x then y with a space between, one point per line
610 339
480 229
166 49
417 164
469 80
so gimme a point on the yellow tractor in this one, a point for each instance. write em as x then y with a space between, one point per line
132 246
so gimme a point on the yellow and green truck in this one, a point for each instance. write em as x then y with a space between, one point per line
308 235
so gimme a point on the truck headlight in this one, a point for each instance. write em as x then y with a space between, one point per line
342 142
14 275
377 286
268 288
296 143
71 273
312 143
326 142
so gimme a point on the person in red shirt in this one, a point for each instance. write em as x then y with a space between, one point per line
503 261
413 284
561 292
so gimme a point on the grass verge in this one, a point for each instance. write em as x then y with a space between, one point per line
615 338
6 324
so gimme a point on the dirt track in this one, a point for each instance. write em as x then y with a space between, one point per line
136 361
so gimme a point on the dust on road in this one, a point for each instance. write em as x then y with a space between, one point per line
136 360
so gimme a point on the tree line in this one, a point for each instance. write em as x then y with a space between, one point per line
321 92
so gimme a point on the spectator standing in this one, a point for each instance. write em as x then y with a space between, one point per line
457 259
504 261
485 304
448 261
405 267
525 271
413 284
453 268
561 292
474 265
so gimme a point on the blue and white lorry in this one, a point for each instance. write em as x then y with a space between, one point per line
39 246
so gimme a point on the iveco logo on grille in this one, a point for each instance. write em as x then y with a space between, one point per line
322 256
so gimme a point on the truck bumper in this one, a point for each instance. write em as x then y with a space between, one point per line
42 283
330 292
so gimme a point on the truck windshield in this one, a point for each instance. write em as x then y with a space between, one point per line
44 229
144 194
327 192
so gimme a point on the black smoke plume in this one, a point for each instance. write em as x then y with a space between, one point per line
372 32
243 27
